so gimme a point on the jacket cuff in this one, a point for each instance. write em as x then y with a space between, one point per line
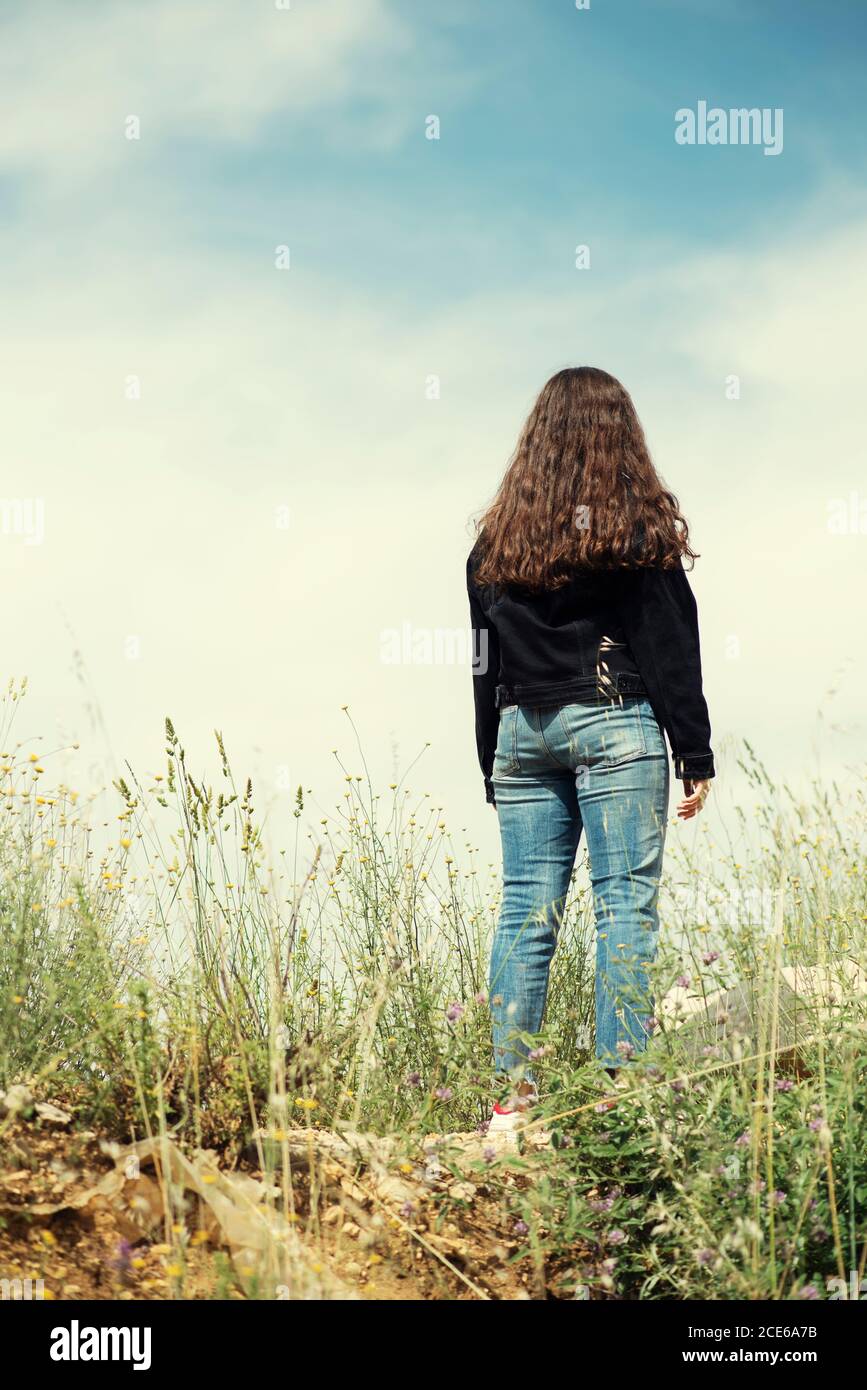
698 767
489 792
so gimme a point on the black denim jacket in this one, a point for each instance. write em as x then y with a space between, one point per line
602 636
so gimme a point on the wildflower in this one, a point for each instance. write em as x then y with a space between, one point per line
743 1141
616 1237
683 981
521 1228
413 1079
785 1084
625 1050
444 1093
537 1053
122 1261
489 1154
454 1012
809 1291
705 1257
602 1204
481 998
709 957
407 1211
778 1197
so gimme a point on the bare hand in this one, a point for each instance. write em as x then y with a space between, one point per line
695 795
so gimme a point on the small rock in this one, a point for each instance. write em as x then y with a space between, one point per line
394 1189
16 1099
52 1114
351 1229
462 1191
354 1190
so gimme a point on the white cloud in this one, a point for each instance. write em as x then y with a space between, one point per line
212 69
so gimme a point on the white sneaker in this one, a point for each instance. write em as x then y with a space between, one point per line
505 1119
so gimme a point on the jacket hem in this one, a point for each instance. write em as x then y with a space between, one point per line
578 688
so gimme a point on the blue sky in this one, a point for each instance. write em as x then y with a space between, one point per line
553 121
304 389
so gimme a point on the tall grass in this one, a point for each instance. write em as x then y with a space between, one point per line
178 978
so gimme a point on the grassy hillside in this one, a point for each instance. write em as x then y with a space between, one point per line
175 983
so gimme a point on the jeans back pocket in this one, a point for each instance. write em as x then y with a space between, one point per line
622 733
506 762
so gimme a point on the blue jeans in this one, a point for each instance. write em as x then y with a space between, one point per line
601 768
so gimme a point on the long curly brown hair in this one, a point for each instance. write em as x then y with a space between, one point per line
580 492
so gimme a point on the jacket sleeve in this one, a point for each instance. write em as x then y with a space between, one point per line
660 620
486 668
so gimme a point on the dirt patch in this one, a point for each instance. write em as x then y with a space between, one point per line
361 1217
